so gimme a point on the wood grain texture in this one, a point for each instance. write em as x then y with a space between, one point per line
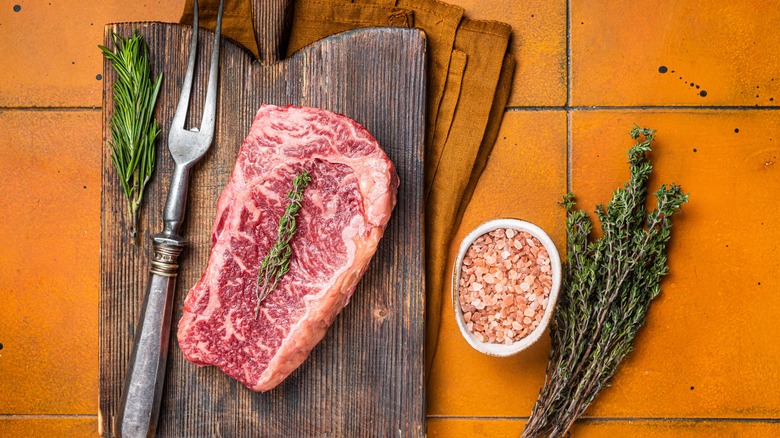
366 377
272 20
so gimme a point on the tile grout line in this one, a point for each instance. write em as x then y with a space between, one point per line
569 154
46 416
566 107
619 419
568 55
568 99
51 108
642 107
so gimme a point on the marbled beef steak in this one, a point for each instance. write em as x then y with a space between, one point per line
344 212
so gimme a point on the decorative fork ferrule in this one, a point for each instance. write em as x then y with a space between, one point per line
165 256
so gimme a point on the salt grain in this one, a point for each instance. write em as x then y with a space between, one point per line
504 286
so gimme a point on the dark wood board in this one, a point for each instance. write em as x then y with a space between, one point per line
366 377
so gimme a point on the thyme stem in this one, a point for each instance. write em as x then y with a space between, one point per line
277 262
608 285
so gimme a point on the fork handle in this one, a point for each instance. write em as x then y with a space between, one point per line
140 405
176 205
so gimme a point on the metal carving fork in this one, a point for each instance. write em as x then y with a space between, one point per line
140 405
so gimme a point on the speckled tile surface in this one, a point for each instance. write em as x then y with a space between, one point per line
706 363
49 427
683 52
49 277
606 428
704 352
49 47
538 42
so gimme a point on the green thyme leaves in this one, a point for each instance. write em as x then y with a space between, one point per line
608 284
277 262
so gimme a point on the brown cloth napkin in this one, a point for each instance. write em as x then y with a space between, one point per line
469 79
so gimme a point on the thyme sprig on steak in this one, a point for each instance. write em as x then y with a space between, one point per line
608 285
277 262
133 130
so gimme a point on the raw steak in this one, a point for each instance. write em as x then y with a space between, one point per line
344 212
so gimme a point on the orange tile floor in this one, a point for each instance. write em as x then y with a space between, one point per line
707 362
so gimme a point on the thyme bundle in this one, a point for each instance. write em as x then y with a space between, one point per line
133 130
608 285
277 262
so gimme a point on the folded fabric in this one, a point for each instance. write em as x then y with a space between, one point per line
455 154
469 76
237 21
317 19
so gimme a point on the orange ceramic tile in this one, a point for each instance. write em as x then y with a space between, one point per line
525 178
687 52
49 427
674 429
49 261
511 428
538 43
710 347
50 54
474 427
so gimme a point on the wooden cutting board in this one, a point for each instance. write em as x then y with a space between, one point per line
366 377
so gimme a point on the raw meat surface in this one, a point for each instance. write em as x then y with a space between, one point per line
344 212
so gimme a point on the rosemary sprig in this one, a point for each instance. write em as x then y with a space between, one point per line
133 130
608 285
277 262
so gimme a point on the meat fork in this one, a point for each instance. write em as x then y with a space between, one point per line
140 405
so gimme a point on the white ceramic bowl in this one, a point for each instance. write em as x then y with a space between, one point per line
503 350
